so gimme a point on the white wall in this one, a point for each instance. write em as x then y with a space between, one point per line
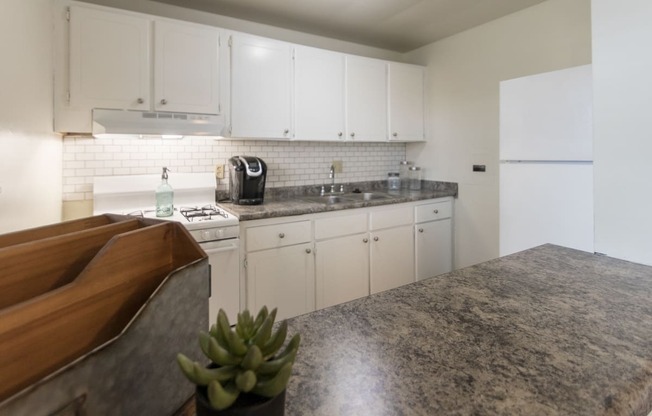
622 79
30 153
462 94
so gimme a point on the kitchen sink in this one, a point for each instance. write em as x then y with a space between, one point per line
327 199
349 197
367 196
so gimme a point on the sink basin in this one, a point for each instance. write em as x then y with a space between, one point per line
350 197
367 196
328 199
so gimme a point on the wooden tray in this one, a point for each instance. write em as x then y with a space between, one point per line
73 314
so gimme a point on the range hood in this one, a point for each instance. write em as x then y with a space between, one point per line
115 123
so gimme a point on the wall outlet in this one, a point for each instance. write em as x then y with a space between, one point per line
219 171
337 166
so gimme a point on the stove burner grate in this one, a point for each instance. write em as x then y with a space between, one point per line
204 213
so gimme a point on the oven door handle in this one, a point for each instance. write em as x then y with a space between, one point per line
230 247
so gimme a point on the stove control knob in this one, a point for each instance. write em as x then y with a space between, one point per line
220 232
205 235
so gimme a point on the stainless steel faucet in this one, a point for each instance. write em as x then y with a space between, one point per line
331 176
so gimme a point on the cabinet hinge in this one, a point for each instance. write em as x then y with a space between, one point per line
219 41
68 13
230 41
244 263
68 96
219 108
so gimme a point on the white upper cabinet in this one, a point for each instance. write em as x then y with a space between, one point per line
261 88
406 106
186 67
109 60
366 99
318 94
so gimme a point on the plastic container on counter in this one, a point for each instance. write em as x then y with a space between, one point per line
415 178
403 171
393 181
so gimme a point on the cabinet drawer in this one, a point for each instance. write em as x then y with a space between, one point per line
340 226
277 235
434 211
392 217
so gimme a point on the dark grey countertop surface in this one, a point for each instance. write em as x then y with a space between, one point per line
548 331
288 201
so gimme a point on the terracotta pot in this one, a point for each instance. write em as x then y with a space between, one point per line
245 405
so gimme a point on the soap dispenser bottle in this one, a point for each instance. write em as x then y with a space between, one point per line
164 196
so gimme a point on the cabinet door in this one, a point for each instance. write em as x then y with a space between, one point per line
283 278
392 258
319 94
109 60
261 85
186 68
342 269
434 248
406 111
366 99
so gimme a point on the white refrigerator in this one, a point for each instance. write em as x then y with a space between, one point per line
546 167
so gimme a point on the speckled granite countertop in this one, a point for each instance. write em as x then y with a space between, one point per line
281 202
548 331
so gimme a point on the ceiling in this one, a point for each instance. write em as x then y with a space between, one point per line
398 25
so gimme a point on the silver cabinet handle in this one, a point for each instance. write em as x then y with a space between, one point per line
436 211
352 135
339 134
376 239
365 240
164 101
281 235
308 251
395 134
140 101
420 230
286 131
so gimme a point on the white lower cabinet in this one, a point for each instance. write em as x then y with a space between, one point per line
314 261
280 267
392 258
433 239
341 269
282 278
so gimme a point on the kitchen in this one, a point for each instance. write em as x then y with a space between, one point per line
464 71
32 152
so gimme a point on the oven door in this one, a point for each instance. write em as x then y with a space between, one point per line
223 257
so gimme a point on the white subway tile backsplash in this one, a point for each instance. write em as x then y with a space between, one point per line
288 163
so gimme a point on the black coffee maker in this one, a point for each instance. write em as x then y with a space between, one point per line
247 180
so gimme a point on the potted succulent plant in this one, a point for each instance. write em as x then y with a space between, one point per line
247 374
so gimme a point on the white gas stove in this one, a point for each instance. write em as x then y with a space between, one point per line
216 230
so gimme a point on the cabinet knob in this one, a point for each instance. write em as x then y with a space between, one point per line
340 134
395 134
376 239
140 101
281 235
420 230
164 101
286 131
308 251
436 211
352 135
365 240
